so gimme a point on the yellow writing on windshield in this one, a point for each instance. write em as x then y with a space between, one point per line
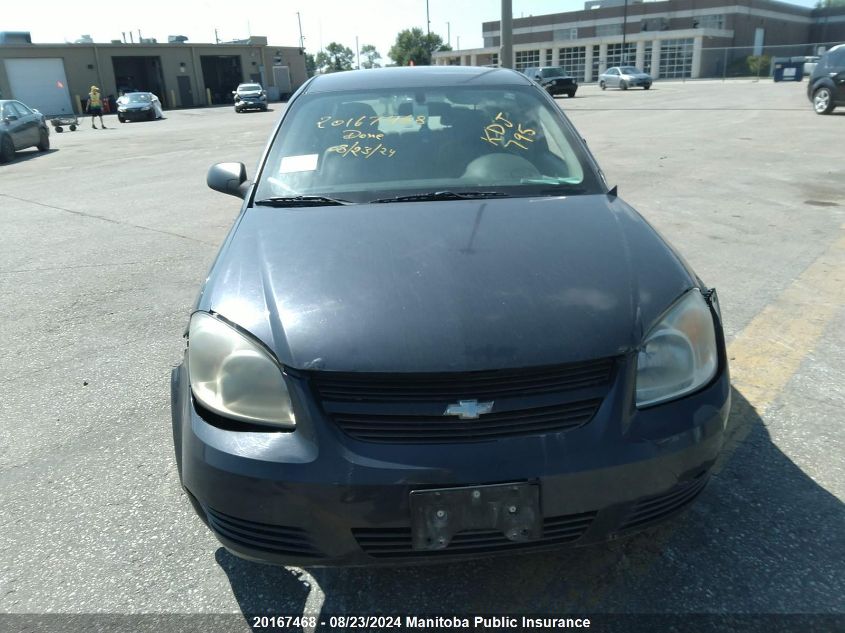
371 121
501 132
367 151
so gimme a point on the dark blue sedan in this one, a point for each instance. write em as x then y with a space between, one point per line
434 332
21 127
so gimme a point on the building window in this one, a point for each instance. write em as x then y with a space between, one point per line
676 58
654 24
526 59
708 22
494 59
647 58
616 56
605 30
572 60
549 57
566 34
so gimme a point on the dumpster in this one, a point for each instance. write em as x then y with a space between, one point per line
788 71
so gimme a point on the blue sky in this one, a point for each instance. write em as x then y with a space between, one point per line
323 21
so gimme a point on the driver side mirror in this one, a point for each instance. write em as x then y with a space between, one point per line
228 178
10 117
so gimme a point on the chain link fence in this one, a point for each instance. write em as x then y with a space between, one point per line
757 62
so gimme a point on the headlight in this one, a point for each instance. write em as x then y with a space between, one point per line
679 355
234 376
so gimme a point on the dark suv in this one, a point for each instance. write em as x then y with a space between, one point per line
554 79
826 88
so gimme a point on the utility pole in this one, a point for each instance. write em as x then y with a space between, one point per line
301 39
624 28
506 35
357 53
216 39
449 34
427 20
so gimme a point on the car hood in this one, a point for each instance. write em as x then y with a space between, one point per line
446 285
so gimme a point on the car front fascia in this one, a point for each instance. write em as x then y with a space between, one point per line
622 456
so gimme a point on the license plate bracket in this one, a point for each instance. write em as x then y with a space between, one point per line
438 515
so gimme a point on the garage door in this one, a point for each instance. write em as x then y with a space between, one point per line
40 84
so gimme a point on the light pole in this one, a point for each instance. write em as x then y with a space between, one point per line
427 20
301 39
624 24
506 35
449 34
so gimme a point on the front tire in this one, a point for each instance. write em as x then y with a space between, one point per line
121 119
7 150
647 86
602 85
44 143
823 101
571 95
623 85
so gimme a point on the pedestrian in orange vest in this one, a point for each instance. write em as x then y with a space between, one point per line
95 106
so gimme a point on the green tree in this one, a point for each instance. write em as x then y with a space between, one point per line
371 56
335 58
412 45
310 64
758 64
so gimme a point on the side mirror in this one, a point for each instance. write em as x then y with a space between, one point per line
234 92
10 117
228 178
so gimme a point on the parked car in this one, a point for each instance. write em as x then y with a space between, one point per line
624 77
250 97
826 86
21 127
554 79
435 332
138 106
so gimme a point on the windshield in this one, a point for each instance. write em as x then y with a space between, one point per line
248 87
630 70
553 72
140 97
368 145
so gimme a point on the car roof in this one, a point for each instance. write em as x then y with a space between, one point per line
417 77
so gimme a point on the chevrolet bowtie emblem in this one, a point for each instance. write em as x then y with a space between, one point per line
469 409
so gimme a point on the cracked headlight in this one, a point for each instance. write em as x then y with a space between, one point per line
234 376
679 354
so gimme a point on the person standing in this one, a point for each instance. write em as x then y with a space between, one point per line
95 106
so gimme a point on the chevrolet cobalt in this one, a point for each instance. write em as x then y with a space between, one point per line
434 332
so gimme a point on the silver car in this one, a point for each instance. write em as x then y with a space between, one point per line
624 77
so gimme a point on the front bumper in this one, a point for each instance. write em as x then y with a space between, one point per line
136 115
256 104
318 497
561 88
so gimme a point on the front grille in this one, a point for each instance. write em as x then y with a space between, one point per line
275 539
427 429
655 508
397 543
449 387
409 408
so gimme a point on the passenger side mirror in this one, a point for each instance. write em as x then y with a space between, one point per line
228 178
10 117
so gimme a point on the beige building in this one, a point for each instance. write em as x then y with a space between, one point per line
56 78
669 38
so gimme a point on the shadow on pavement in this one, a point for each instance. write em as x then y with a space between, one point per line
762 538
23 155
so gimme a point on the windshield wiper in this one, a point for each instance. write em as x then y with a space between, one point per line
445 195
301 201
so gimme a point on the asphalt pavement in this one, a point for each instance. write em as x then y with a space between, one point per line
105 240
